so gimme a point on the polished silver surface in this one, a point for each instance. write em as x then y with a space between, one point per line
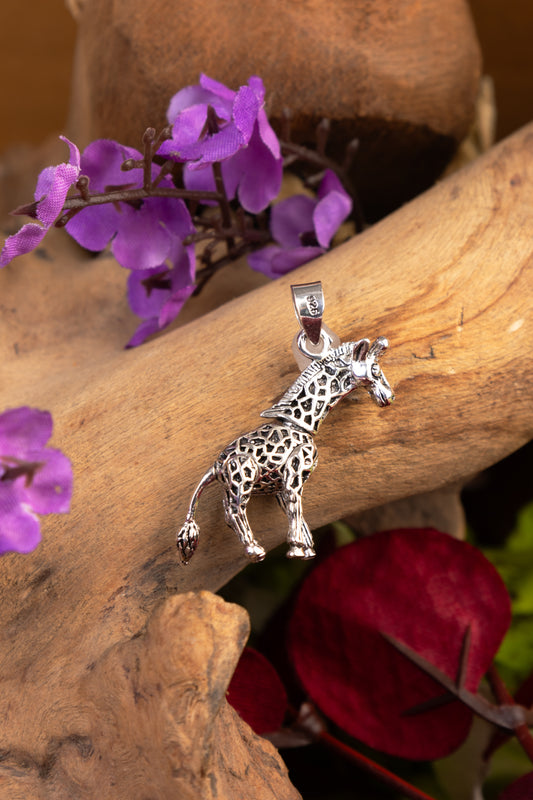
308 299
279 456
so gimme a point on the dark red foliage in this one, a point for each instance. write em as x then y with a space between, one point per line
257 693
425 589
522 789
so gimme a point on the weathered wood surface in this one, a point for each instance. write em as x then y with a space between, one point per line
151 720
447 278
402 76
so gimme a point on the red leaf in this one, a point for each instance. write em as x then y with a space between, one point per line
257 693
522 789
421 587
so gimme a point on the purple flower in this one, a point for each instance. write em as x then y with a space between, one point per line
244 143
157 295
303 227
50 193
34 479
142 233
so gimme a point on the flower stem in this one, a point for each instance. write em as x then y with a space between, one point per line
309 722
223 202
384 775
148 141
127 195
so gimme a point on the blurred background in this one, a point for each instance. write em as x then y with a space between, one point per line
37 45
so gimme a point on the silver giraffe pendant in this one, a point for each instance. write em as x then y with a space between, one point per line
278 457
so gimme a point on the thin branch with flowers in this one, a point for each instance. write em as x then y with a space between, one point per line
199 196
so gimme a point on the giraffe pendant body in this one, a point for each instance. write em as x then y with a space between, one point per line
274 459
279 456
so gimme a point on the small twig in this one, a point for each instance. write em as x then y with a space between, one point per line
250 235
223 202
148 142
503 696
384 775
505 715
82 185
16 468
308 721
126 195
166 168
322 135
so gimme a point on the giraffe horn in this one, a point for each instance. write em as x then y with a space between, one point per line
360 350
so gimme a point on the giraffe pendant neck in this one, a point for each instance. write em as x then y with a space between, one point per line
321 385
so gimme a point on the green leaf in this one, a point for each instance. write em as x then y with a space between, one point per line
514 562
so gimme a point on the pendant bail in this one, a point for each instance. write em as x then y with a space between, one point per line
315 339
308 299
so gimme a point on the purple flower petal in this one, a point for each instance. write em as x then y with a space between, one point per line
19 527
141 241
50 490
94 227
146 300
245 110
187 97
173 306
256 173
258 87
274 261
144 330
44 183
149 291
268 137
287 260
213 148
101 161
328 216
292 217
202 180
46 178
330 183
50 204
23 241
53 184
33 478
217 88
23 430
261 260
332 208
174 215
186 132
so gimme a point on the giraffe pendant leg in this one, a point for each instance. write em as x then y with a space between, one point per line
238 477
299 537
297 470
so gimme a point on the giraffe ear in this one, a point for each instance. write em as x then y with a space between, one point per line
379 346
360 350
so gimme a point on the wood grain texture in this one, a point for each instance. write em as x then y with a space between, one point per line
447 278
151 720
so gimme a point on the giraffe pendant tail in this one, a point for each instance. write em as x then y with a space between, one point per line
279 456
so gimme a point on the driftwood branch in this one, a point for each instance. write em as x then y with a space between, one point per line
447 279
